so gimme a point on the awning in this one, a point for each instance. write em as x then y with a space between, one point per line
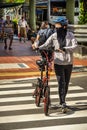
42 4
39 11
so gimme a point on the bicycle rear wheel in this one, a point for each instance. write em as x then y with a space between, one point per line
46 100
38 96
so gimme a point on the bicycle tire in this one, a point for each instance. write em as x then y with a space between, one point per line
38 96
46 100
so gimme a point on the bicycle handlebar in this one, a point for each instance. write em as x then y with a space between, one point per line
47 50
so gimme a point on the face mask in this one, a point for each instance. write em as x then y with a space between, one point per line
61 34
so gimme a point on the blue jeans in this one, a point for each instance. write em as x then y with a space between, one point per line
63 73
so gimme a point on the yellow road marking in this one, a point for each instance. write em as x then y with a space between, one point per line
21 73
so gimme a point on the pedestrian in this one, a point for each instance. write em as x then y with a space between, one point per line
1 28
8 32
23 27
43 34
64 44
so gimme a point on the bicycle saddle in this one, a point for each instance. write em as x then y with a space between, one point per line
40 63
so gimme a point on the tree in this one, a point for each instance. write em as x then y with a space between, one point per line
32 14
70 5
83 12
1 9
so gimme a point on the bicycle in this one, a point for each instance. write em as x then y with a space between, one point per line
42 89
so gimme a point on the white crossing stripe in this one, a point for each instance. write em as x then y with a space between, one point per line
31 90
16 85
29 98
23 85
56 83
33 106
13 65
34 117
60 127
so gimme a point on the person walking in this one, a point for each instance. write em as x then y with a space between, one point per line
23 26
64 44
43 33
8 32
1 28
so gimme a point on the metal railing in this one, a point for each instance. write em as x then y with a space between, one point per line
80 33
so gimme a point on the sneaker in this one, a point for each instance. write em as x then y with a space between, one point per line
10 48
5 47
20 40
64 108
24 41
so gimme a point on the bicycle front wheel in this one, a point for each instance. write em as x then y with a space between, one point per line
46 100
38 96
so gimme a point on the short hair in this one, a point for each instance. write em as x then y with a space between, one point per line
43 25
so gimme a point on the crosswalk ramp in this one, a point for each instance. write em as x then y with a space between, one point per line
19 112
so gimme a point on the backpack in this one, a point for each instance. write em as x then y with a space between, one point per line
43 38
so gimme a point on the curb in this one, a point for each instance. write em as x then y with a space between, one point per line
34 79
79 68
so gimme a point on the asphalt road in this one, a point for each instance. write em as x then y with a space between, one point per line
18 110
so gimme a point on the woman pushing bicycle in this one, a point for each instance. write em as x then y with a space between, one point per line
64 44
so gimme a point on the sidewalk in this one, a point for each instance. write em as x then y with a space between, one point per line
20 62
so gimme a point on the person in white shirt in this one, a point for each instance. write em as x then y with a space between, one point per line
22 28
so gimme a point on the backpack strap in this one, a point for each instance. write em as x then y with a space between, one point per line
46 33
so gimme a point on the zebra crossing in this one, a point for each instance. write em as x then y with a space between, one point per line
19 112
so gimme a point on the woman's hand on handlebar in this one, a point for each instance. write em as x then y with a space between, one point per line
33 47
61 51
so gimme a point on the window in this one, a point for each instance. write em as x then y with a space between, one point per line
58 8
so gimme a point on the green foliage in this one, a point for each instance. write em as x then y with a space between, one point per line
15 1
83 14
15 21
